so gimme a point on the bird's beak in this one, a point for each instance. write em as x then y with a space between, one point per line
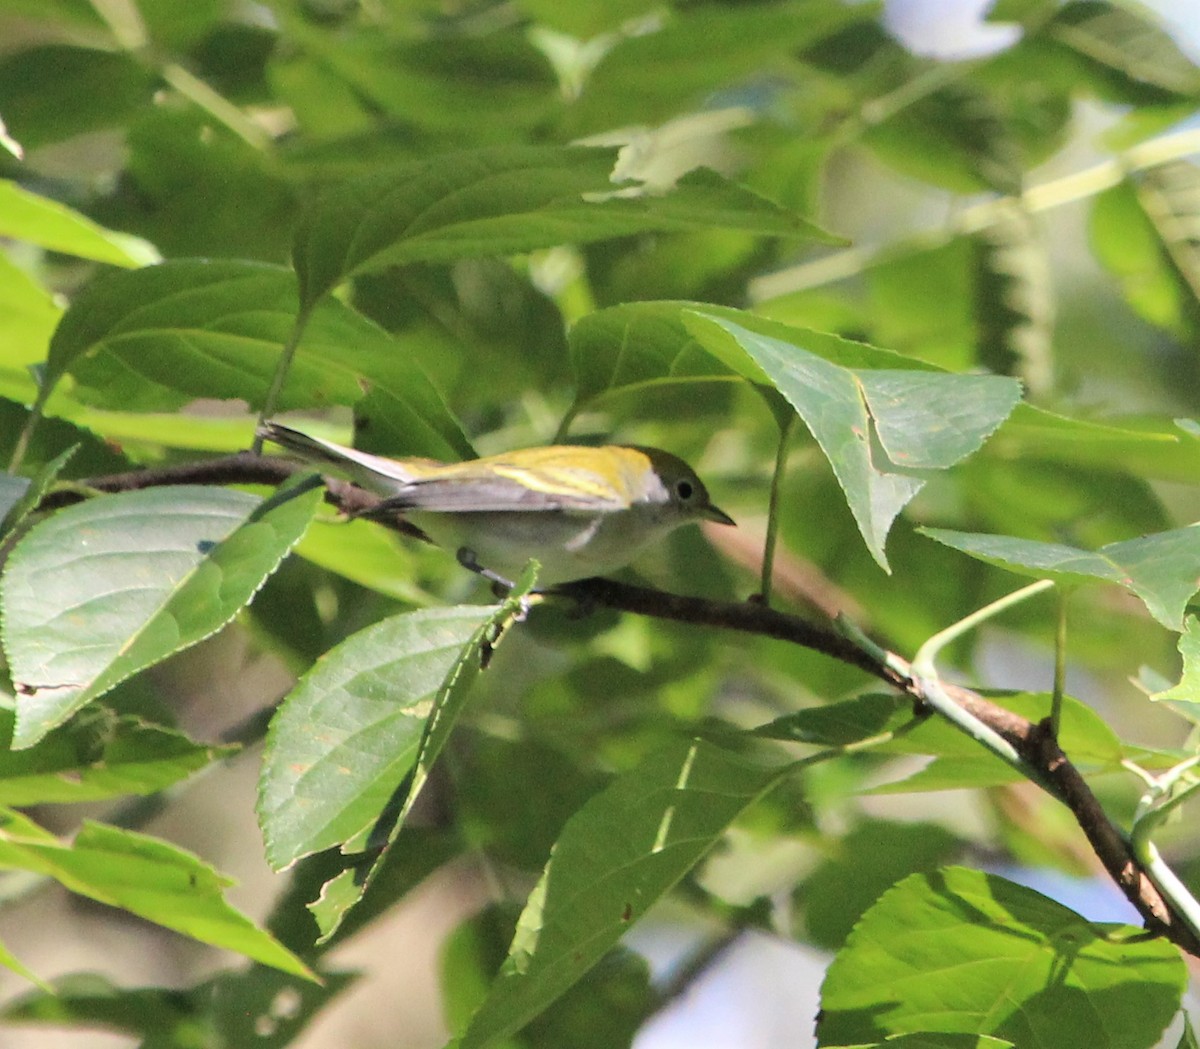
713 513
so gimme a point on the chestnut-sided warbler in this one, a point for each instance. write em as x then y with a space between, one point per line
579 511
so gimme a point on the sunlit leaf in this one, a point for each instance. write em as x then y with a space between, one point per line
147 877
345 738
28 315
107 587
617 856
444 706
38 220
961 951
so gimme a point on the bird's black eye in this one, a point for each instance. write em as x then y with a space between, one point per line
685 490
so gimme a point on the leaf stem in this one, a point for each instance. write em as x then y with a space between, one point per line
1166 793
215 104
1060 663
286 356
924 659
924 673
23 438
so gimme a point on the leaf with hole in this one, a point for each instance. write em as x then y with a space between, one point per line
110 586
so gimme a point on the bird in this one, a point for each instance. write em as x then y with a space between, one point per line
581 511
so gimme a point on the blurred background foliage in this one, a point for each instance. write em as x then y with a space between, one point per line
1030 207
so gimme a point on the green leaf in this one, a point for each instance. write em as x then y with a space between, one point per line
1147 232
98 756
146 877
265 1008
415 855
945 1040
56 91
878 428
91 1000
29 217
604 1009
506 200
9 143
1162 569
616 857
1184 697
922 301
157 337
444 707
955 136
1019 10
51 440
635 346
961 951
1170 196
1126 242
14 492
71 15
371 556
1187 1039
647 77
110 586
961 762
28 315
844 723
260 1007
11 962
585 20
26 494
639 345
483 88
1150 447
1124 40
344 739
863 864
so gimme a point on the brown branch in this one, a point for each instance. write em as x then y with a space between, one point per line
1034 742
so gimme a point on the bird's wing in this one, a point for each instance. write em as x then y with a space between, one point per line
487 495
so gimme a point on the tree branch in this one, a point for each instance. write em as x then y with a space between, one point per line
1035 742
